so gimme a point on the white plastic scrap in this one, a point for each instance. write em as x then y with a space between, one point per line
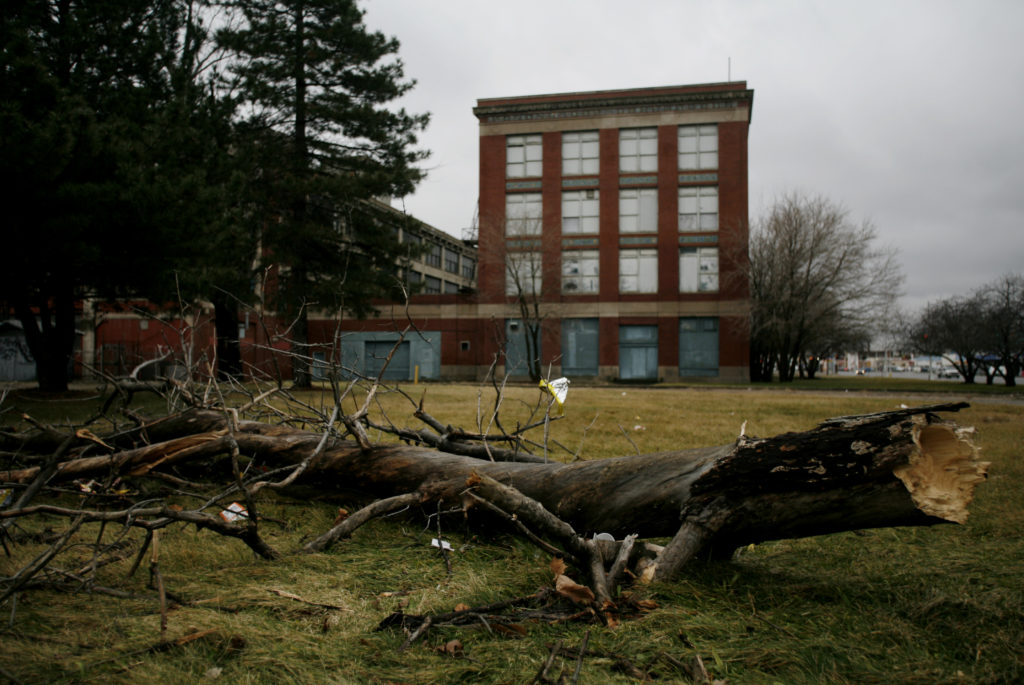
234 512
558 388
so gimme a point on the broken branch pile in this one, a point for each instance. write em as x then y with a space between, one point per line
898 468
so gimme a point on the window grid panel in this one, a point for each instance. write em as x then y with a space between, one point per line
580 151
638 149
638 271
580 211
523 273
523 156
451 261
638 210
580 271
698 270
698 209
523 213
698 147
433 257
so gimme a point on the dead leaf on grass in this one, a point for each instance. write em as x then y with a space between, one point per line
567 587
451 648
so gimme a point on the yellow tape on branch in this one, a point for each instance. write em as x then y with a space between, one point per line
558 389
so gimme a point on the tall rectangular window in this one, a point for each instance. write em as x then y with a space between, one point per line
523 214
579 153
638 210
433 257
522 156
451 261
698 147
638 352
698 209
580 346
580 210
698 346
468 267
638 149
580 271
413 243
698 269
638 271
522 273
432 285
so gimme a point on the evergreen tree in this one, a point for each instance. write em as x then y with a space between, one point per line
115 165
319 88
76 80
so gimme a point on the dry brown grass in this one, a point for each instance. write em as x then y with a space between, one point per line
937 605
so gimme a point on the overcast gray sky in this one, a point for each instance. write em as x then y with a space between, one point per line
908 113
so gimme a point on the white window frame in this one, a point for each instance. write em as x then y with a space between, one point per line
698 269
523 156
638 149
581 212
580 271
698 147
698 209
523 214
638 270
638 210
527 265
580 153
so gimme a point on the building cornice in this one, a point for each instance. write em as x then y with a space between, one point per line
574 105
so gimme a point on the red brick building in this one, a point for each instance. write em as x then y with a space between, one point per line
612 223
621 217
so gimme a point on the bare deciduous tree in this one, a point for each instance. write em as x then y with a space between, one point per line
982 332
527 284
954 330
1004 326
818 282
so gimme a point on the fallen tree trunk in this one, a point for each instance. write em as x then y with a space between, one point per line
898 468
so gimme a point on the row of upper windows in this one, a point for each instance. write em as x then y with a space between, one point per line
638 211
638 151
638 271
432 285
434 253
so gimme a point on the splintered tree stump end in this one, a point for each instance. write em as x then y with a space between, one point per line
942 472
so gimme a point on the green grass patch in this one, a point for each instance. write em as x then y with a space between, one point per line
927 605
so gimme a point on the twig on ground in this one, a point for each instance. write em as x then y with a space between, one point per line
542 674
40 562
415 635
156 582
346 527
579 659
296 598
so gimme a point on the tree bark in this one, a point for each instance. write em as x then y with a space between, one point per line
229 353
898 468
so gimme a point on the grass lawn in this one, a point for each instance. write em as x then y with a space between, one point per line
925 605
